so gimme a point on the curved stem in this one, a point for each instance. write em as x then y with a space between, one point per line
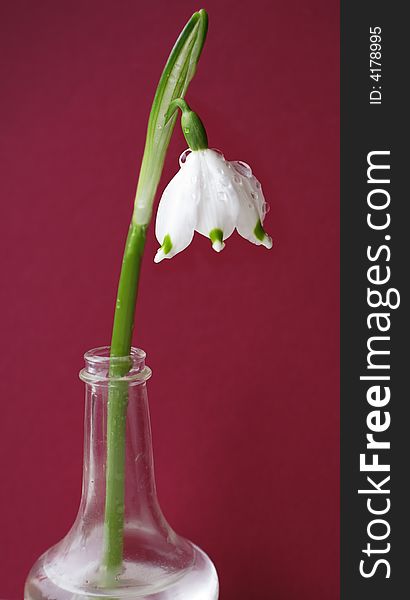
177 103
178 72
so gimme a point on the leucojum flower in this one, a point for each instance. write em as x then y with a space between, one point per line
209 195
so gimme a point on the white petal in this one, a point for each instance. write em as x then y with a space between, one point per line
177 210
219 206
252 205
160 255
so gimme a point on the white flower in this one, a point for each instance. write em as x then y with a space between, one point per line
212 196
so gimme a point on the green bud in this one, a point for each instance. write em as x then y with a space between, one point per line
192 126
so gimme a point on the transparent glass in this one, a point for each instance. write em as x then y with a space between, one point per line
157 563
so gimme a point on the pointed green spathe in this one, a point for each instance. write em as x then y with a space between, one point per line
173 84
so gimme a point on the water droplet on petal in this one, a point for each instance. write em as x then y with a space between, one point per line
266 208
258 185
242 168
222 196
254 195
237 179
184 156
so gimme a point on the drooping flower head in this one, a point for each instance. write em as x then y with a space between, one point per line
209 195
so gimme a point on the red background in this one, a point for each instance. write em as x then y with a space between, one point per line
243 345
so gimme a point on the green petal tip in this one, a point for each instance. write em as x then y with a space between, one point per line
216 236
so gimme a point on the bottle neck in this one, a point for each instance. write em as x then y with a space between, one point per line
140 499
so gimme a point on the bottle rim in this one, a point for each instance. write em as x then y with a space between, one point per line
99 367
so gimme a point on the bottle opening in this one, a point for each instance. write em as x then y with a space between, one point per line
101 368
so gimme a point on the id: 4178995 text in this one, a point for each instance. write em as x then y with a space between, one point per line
375 65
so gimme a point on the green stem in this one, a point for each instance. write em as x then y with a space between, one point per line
178 72
118 398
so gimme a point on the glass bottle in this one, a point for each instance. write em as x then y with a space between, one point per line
157 564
